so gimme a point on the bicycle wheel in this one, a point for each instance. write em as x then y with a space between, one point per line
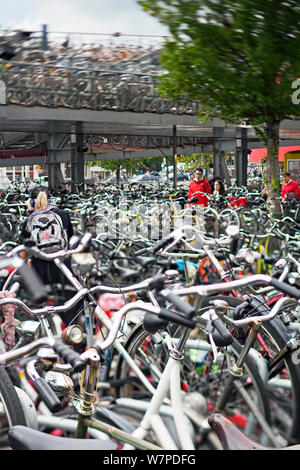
228 217
202 380
142 347
248 221
281 374
245 391
11 411
283 386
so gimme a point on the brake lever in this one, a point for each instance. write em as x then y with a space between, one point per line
209 316
213 346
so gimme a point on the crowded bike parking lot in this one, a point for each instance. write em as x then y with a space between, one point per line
150 229
158 323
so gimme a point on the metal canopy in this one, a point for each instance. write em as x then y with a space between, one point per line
44 120
61 121
192 137
61 112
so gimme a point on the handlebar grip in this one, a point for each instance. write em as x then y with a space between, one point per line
152 323
234 244
33 283
141 251
285 288
193 199
157 282
94 245
175 317
69 355
182 306
161 244
226 336
47 394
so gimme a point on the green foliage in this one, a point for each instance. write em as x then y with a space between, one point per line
194 160
134 164
125 164
275 184
238 58
114 165
153 163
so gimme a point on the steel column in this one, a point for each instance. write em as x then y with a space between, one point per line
55 177
77 155
241 160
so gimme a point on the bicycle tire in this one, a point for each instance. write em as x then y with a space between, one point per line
276 332
134 389
248 221
11 413
228 217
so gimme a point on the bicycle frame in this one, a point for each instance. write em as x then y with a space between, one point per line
170 381
155 409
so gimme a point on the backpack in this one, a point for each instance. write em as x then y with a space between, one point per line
47 231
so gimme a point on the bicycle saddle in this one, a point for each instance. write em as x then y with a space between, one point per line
128 274
231 438
23 438
145 260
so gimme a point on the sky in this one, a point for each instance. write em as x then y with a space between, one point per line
88 16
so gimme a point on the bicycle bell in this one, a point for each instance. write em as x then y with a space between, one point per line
61 384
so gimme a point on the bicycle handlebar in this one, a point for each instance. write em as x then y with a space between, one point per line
85 239
204 291
50 309
78 361
174 237
179 233
232 285
30 278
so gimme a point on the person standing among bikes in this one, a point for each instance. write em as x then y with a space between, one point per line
199 183
289 186
39 204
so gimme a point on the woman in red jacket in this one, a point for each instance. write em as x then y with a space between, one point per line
289 186
199 183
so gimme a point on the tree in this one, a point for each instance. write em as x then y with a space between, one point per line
195 160
118 165
153 163
239 58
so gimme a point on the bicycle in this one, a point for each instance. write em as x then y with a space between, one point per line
273 341
172 371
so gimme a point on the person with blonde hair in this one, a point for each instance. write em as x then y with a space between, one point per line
40 206
38 199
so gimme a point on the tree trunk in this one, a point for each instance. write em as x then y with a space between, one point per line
272 167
